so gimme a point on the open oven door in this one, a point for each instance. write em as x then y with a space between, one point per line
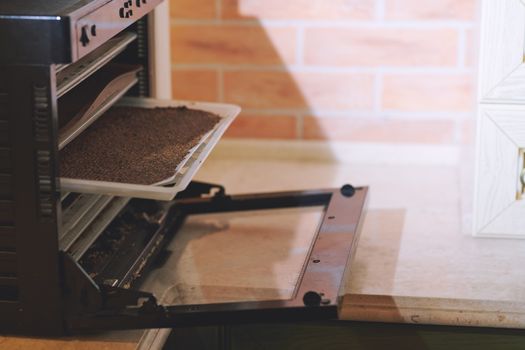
208 258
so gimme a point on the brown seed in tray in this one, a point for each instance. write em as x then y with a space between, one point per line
135 145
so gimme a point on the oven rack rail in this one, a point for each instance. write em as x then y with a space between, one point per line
84 218
70 75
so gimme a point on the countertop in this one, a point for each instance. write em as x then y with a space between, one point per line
416 261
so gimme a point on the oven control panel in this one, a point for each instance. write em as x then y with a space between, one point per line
95 28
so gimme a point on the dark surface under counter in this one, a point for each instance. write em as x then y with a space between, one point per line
330 335
345 335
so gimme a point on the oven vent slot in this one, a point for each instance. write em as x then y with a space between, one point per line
44 170
8 264
6 178
7 213
6 181
6 186
4 132
4 120
8 279
71 75
7 238
7 292
5 159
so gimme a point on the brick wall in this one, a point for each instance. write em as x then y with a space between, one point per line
348 70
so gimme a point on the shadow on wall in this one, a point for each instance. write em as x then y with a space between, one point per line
259 68
318 70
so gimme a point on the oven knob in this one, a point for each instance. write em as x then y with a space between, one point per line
84 38
121 12
138 3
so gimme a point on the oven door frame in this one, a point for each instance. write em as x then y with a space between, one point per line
316 296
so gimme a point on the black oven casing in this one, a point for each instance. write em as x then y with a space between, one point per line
35 36
45 292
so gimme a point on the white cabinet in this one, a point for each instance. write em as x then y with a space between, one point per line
500 201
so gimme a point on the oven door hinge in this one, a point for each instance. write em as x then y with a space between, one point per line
92 306
84 296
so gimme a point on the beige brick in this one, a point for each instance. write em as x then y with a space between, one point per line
468 131
381 47
263 126
430 10
382 131
276 89
232 44
192 9
298 9
200 85
471 48
431 93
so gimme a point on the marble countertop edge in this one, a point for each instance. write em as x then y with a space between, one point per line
433 311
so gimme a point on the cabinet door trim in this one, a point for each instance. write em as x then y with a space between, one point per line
500 206
502 68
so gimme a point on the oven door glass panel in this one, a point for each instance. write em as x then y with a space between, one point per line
236 256
262 258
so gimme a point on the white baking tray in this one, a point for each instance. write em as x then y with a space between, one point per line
185 170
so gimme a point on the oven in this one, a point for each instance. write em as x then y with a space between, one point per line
82 254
